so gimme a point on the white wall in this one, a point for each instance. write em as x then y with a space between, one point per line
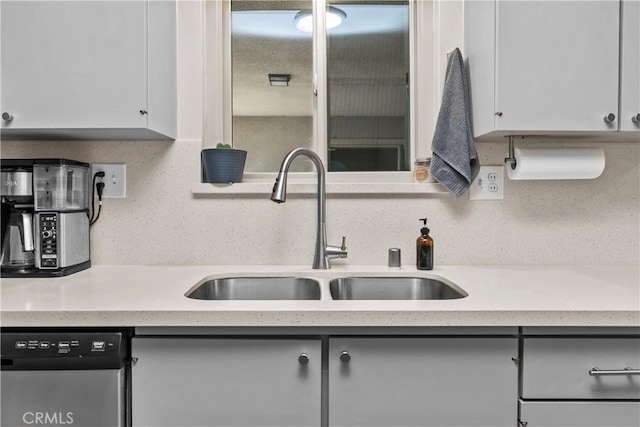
161 222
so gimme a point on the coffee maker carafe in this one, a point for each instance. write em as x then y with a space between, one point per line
45 217
17 220
17 244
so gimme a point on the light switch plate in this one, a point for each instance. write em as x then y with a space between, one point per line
489 184
115 179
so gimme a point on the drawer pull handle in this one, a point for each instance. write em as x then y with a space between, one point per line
596 372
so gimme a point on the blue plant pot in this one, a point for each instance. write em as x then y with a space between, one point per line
223 165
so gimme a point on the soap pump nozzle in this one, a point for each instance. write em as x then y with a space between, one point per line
424 229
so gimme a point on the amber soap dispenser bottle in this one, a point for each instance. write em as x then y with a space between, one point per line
424 248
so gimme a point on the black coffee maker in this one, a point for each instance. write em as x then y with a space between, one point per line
45 217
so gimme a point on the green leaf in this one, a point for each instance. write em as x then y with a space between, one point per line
221 145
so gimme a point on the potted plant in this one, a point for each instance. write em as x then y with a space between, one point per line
223 164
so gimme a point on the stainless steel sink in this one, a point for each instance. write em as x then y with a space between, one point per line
393 288
256 288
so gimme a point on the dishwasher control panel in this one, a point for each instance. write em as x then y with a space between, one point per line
61 349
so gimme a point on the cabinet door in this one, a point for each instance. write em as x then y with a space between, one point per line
422 382
630 63
557 65
225 382
580 414
73 64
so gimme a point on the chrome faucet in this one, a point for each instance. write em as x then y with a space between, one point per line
323 252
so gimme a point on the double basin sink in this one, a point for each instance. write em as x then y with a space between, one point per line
341 288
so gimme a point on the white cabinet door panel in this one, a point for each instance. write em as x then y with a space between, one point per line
556 65
630 63
74 64
225 382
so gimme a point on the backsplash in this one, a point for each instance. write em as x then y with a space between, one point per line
538 222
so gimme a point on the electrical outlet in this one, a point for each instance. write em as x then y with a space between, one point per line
489 184
115 179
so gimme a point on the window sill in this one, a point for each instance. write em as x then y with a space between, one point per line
308 187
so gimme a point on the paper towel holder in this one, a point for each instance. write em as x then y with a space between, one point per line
553 164
511 160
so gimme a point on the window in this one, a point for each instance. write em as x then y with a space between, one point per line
363 74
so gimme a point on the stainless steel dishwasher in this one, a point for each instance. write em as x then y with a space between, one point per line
63 378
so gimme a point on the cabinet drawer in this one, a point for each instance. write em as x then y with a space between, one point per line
563 368
580 414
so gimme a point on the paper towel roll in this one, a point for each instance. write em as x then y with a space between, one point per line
556 163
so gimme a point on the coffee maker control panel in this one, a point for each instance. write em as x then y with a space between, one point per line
48 239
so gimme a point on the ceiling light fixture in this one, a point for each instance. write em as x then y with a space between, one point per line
279 79
304 19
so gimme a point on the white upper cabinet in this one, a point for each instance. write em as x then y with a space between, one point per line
88 69
630 67
544 67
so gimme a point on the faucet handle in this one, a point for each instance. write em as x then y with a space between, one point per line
332 252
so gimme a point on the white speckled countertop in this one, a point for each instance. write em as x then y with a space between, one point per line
136 295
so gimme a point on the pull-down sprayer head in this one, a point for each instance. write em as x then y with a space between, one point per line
279 192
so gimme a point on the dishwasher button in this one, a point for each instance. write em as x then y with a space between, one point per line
21 345
98 345
63 347
44 344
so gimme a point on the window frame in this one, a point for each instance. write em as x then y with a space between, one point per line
425 45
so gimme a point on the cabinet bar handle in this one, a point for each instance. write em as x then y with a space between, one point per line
596 372
609 118
636 118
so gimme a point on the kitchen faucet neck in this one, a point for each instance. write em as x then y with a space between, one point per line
323 253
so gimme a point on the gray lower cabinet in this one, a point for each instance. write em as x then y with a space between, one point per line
580 381
458 381
226 382
568 368
580 414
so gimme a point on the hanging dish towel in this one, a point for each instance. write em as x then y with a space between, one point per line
455 160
